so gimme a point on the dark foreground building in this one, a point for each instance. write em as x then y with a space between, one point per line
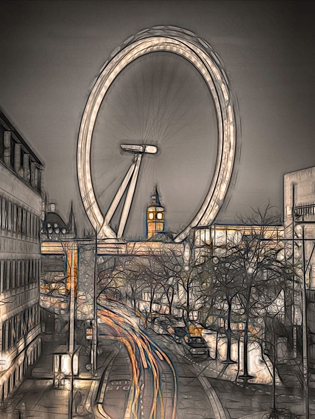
20 220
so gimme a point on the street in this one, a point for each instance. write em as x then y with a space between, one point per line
166 383
153 390
145 375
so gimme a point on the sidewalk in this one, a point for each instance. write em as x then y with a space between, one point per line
242 400
37 398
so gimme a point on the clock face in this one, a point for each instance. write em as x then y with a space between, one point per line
159 99
159 216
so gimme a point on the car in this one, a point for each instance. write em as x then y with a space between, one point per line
161 325
177 331
194 328
196 346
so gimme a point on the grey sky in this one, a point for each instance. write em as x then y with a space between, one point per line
52 51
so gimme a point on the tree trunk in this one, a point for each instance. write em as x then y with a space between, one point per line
169 309
229 334
216 345
134 300
245 350
170 303
188 303
274 371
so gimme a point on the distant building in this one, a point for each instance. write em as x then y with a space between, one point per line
207 239
20 265
155 215
55 228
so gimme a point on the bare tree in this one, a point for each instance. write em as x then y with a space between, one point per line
226 285
263 273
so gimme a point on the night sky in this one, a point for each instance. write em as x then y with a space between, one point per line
52 51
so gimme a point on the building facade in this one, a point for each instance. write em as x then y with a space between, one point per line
55 273
299 218
20 265
299 231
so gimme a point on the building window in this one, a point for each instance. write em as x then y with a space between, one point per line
2 131
18 326
14 217
4 214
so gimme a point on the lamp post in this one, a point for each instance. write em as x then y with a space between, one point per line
94 321
305 266
72 303
71 328
305 331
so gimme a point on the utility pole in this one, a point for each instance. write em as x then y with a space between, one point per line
305 331
94 321
71 327
72 303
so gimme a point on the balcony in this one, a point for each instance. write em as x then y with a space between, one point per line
305 213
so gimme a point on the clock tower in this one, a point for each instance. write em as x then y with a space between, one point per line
155 215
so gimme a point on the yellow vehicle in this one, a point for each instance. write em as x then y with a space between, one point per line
195 330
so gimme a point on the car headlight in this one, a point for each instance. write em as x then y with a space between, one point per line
193 350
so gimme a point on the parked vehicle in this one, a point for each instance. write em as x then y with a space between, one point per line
194 328
195 346
161 325
177 331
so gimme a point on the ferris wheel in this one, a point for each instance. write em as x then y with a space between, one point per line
199 53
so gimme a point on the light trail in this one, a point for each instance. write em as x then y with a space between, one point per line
144 355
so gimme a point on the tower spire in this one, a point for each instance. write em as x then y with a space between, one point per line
72 227
155 197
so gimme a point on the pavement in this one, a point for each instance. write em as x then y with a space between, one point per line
37 397
239 399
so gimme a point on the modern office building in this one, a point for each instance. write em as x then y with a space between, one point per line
299 217
20 221
299 232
